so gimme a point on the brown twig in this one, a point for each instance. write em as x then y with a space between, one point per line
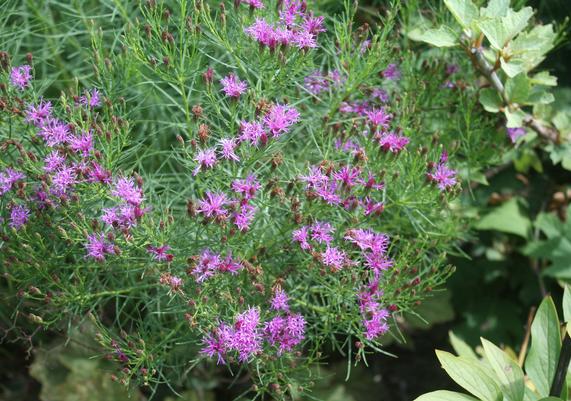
525 343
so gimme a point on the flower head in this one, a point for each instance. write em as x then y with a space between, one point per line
19 216
126 189
232 86
213 205
97 246
280 301
21 76
515 133
280 118
39 114
205 159
8 178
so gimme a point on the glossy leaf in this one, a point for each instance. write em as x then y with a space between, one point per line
465 11
470 375
541 361
443 395
508 372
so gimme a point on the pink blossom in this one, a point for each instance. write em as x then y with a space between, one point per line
232 86
280 118
126 189
228 149
213 205
19 216
21 76
205 159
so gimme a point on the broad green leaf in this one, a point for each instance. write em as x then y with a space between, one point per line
549 224
518 88
443 395
510 375
567 305
506 218
463 10
544 78
539 96
513 67
462 349
441 37
514 118
500 30
495 8
470 375
560 267
543 355
490 100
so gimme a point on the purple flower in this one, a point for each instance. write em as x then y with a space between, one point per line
391 142
126 189
262 32
228 149
247 188
315 82
205 159
305 40
97 246
368 240
380 94
160 253
54 132
280 118
247 338
40 114
63 179
82 144
321 232
372 207
280 301
285 332
392 72
53 161
228 264
376 325
216 344
244 217
291 9
301 235
333 257
232 86
255 4
8 178
252 132
98 174
208 264
348 175
19 216
91 100
515 133
312 24
379 117
213 205
442 175
21 76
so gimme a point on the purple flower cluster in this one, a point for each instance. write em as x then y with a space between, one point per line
98 247
442 175
277 121
317 82
347 187
19 216
8 178
246 336
374 314
209 264
160 253
296 27
129 211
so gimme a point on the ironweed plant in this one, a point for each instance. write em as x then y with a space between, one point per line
246 186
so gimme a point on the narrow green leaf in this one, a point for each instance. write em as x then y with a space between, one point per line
541 361
518 88
510 375
443 395
441 37
463 10
490 100
470 375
